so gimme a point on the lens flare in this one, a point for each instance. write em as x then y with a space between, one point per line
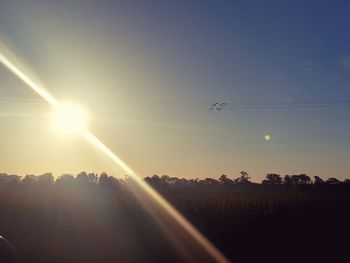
198 237
41 91
62 113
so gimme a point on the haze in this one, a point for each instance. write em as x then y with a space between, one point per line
148 73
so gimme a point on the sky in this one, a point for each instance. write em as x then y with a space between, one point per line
148 71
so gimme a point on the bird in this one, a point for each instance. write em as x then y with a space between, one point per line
217 106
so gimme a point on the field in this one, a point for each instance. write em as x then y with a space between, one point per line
102 221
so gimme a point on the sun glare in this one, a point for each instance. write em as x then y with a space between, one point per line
69 118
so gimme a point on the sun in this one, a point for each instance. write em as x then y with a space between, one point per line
69 118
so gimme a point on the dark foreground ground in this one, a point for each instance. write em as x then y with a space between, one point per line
95 224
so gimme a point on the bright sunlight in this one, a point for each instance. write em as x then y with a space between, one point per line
69 118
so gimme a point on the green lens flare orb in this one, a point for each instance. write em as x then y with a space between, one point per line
267 137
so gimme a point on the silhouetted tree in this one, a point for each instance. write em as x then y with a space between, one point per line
109 182
103 180
209 182
106 215
287 180
300 179
9 180
46 179
82 178
177 183
66 180
318 180
224 180
154 180
332 180
93 178
165 182
244 178
30 180
165 178
304 179
272 179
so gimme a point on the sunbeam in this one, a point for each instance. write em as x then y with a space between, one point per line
154 197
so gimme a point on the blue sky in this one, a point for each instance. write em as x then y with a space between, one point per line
148 71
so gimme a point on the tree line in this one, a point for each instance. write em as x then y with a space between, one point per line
164 182
292 216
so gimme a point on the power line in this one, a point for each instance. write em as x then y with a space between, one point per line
217 106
